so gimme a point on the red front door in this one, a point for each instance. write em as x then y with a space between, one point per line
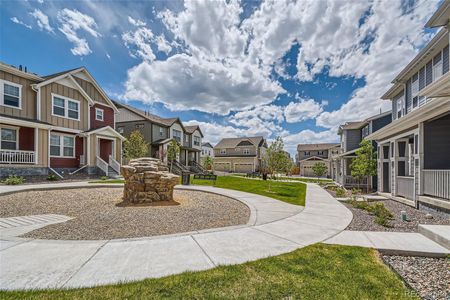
105 149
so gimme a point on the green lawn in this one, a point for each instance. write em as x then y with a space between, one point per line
290 192
315 272
304 179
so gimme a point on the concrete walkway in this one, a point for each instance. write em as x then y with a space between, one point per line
274 228
395 243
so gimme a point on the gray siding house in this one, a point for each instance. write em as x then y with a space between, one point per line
310 154
413 151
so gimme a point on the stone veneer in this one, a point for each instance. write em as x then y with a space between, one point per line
148 180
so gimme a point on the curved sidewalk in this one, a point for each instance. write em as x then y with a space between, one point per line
274 228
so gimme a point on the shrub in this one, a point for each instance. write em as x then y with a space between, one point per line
104 178
356 191
295 170
340 192
52 177
381 213
14 180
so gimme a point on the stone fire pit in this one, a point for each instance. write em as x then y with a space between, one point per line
147 180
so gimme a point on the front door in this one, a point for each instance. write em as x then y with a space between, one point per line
105 149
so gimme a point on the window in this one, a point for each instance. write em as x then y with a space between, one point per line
9 139
197 140
138 126
176 134
246 151
11 94
307 153
120 130
399 107
66 108
186 138
161 131
62 145
415 90
437 67
99 114
223 151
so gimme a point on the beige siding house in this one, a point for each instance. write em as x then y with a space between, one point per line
240 155
413 151
62 123
310 154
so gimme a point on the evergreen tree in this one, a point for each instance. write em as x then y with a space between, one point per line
135 146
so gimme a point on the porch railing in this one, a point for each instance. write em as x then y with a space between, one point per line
405 187
114 164
17 157
354 182
437 183
102 165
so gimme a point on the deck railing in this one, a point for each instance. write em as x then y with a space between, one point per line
114 164
17 157
354 182
437 183
405 187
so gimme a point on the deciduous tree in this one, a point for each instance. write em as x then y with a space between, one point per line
135 146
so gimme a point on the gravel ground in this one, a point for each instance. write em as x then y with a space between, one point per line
363 221
430 277
96 215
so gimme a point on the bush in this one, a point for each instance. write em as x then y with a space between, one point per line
340 192
104 178
295 170
356 191
52 177
381 213
14 180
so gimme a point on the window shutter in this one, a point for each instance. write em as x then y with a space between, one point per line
408 97
445 66
422 78
429 73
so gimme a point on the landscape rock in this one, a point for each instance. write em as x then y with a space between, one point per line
147 180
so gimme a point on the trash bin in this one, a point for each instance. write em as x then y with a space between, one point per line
185 178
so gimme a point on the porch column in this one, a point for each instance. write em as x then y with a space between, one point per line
420 157
36 146
393 156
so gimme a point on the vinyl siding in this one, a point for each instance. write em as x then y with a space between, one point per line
129 127
46 106
156 135
28 101
353 139
91 90
238 151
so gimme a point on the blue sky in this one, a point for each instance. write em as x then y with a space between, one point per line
275 68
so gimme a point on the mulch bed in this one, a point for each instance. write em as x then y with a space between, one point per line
430 277
97 216
363 221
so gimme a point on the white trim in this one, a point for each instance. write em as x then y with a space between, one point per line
2 93
108 128
66 107
61 145
38 102
16 129
36 145
102 113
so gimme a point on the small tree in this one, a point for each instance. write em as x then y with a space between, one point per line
319 169
208 162
173 150
365 163
275 159
135 146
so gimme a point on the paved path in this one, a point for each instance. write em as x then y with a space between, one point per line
274 228
15 226
396 243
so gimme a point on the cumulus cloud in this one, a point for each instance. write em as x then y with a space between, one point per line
42 20
303 110
136 22
138 42
309 136
71 23
17 21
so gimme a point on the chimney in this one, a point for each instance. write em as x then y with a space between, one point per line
26 69
20 67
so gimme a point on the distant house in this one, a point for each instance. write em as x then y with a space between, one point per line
239 154
310 154
413 151
60 123
352 133
159 132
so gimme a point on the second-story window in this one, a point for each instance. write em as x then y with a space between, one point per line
11 94
176 135
246 151
99 114
399 107
415 90
223 151
120 130
66 108
437 67
161 131
196 140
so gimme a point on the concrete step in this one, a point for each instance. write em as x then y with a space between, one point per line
438 233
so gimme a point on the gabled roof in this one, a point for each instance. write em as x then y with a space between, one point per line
207 144
233 142
311 147
361 124
191 129
150 117
441 16
313 158
104 129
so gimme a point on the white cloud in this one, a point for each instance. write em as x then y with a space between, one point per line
71 23
309 136
17 21
136 22
303 110
40 1
138 42
211 130
162 44
42 20
108 56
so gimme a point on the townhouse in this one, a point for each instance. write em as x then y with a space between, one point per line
241 155
310 154
159 132
413 158
61 123
351 134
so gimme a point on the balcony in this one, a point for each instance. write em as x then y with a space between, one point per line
17 157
